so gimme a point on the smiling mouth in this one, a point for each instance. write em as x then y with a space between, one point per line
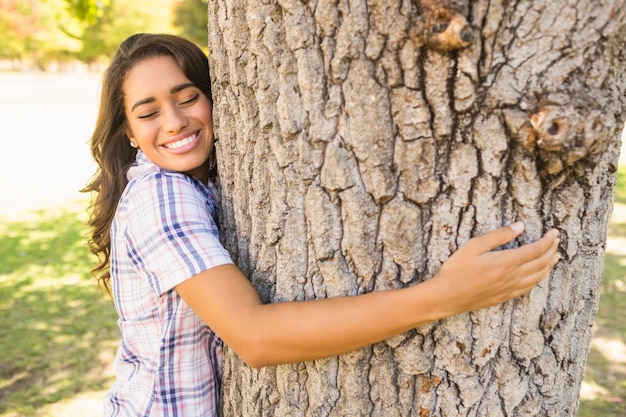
182 142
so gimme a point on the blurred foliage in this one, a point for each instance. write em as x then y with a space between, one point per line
34 31
191 21
87 10
120 20
38 32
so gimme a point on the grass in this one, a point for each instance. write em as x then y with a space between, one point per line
58 333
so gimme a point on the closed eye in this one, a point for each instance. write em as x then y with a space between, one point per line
147 116
186 102
190 100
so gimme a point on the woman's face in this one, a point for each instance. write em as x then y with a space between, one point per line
169 118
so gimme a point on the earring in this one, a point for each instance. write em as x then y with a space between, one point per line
212 160
133 144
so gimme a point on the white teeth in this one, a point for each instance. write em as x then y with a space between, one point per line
181 143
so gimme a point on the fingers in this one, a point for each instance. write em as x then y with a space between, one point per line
524 276
544 248
526 265
539 267
498 276
528 274
498 237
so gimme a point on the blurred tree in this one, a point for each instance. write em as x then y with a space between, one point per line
190 18
120 19
33 31
37 32
87 10
17 24
54 40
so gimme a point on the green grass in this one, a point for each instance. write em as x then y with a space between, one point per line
57 331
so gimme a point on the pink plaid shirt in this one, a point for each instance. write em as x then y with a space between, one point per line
168 362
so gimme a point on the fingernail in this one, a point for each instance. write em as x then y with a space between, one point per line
517 227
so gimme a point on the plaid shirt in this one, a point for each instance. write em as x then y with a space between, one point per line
168 362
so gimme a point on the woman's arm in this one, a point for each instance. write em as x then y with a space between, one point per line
267 334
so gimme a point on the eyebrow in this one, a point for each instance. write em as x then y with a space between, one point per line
174 90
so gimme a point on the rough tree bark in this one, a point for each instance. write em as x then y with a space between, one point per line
362 142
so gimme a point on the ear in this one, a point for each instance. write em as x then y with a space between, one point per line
130 136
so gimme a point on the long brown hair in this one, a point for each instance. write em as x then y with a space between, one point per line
110 147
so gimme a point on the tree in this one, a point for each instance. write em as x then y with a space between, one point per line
88 11
32 31
17 22
191 21
120 19
361 143
57 30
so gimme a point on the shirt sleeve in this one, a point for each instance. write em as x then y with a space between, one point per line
171 234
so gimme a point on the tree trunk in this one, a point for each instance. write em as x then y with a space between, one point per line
362 142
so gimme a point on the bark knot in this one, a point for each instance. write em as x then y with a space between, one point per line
570 127
564 129
440 26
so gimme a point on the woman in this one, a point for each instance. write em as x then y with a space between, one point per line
174 285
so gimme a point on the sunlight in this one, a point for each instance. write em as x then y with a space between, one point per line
613 349
590 390
86 404
616 246
619 213
46 278
49 135
9 381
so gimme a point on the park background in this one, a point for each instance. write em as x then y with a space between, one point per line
58 333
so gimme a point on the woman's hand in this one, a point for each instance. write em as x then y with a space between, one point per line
477 276
267 334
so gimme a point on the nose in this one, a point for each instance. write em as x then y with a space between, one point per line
174 120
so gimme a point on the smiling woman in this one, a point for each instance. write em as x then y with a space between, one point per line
169 118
